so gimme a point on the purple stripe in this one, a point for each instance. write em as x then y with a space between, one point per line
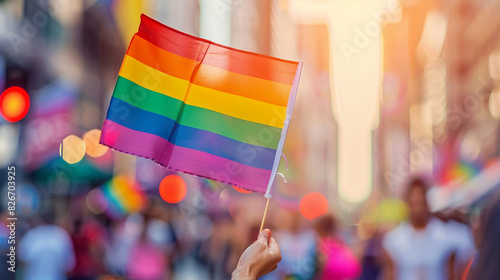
183 159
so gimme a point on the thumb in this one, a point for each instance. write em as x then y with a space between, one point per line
264 236
274 248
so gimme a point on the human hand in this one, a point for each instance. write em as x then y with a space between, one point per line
259 258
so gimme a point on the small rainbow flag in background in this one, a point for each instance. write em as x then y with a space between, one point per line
202 108
124 196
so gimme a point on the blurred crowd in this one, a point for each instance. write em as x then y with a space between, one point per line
161 242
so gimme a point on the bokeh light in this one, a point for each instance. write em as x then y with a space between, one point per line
494 103
234 210
313 205
494 65
173 189
14 104
225 198
9 143
96 202
391 210
72 149
240 190
92 145
367 227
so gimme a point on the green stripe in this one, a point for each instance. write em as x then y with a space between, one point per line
145 99
196 117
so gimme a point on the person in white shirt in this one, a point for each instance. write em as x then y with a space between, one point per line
421 248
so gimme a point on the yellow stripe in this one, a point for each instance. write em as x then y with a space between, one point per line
218 101
237 106
152 79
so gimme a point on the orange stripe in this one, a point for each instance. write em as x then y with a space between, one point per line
241 85
251 64
209 76
160 59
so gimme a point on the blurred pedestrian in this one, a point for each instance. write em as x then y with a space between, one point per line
88 237
420 249
337 260
461 237
147 261
298 246
371 251
47 252
484 266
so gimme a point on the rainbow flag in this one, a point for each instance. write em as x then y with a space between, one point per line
202 108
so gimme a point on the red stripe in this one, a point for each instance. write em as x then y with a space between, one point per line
172 40
227 58
251 64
